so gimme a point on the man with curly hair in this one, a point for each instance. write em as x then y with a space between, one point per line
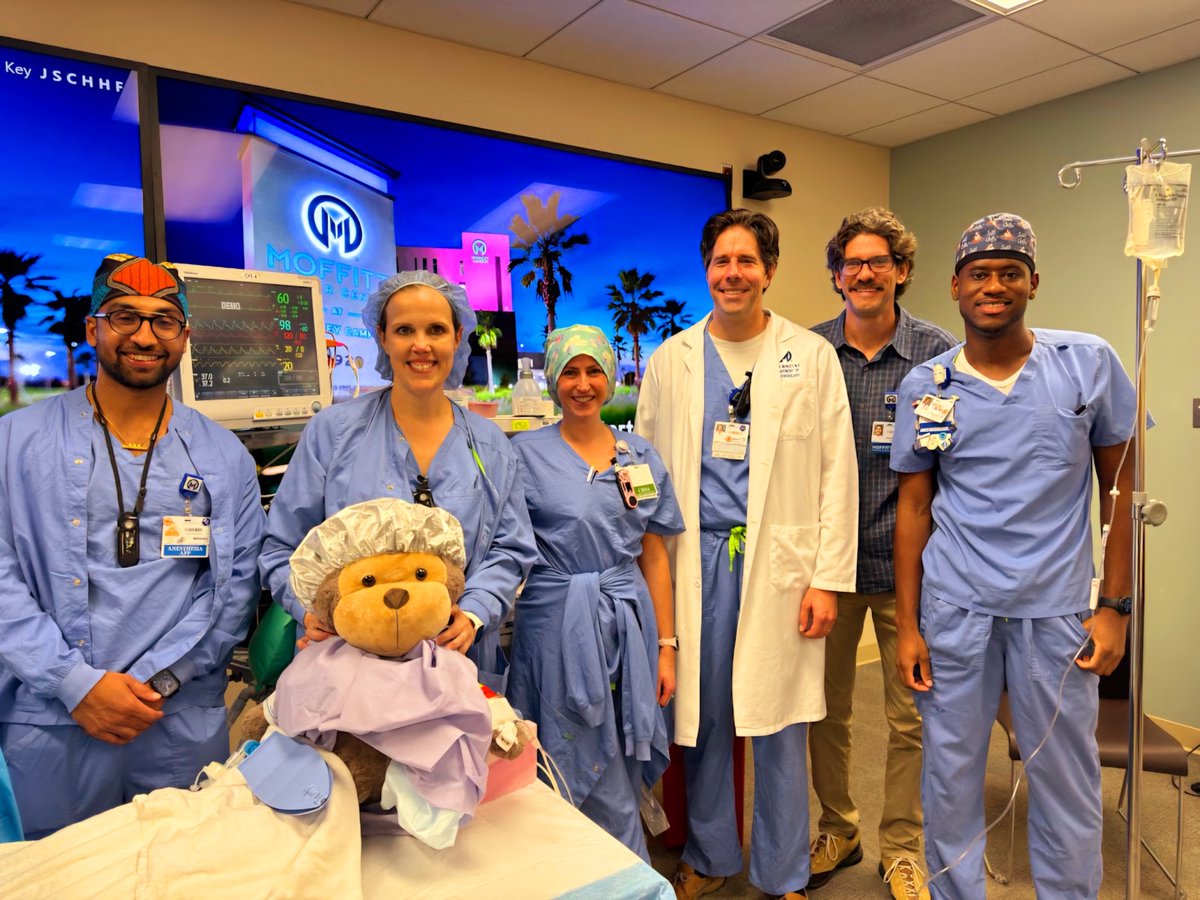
870 262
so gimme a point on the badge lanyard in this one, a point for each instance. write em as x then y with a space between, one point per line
127 522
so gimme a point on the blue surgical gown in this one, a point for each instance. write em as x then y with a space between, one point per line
355 451
585 646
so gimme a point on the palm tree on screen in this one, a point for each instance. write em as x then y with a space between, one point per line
542 239
71 326
15 283
631 301
487 335
675 318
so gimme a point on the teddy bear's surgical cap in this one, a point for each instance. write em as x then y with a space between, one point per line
386 525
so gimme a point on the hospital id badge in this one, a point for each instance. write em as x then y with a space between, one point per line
730 440
642 480
185 537
881 436
935 409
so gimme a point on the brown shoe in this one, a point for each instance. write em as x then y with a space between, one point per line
690 884
904 878
828 854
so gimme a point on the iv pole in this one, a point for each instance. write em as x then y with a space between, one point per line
1145 512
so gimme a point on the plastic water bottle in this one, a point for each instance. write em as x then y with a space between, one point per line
526 395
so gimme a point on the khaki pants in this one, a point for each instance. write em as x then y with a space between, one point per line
829 739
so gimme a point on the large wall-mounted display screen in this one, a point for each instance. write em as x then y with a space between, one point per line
70 192
536 234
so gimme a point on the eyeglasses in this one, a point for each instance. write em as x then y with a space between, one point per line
126 321
878 264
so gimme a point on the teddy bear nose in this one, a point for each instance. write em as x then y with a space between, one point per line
395 598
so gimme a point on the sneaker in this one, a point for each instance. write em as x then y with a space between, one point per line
689 883
904 878
830 853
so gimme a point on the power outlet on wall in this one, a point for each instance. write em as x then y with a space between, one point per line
1196 413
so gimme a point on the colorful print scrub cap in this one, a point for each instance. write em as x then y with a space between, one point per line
122 275
564 344
998 236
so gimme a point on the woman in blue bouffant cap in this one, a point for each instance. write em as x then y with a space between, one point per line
409 441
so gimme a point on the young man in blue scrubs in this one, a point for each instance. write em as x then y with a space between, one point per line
870 261
749 413
129 537
996 441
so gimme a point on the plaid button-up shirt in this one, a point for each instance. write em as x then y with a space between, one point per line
913 342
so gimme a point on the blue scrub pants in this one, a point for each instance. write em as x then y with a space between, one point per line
61 775
10 816
615 804
972 654
779 833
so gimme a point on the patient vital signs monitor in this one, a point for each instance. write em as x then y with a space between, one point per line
256 357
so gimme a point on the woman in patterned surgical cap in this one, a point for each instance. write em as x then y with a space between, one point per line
594 644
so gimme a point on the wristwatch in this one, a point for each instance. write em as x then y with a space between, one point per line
1123 605
672 641
165 683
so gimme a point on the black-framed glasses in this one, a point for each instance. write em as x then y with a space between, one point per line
126 321
877 264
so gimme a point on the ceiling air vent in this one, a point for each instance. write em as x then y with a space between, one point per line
865 31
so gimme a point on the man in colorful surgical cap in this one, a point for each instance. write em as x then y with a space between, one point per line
129 536
996 441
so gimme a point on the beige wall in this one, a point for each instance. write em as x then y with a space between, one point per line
942 184
321 54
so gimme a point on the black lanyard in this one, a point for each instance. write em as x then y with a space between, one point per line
127 522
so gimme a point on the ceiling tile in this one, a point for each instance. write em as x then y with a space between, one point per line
753 77
921 125
1166 49
1081 23
514 27
852 106
983 58
746 19
1080 75
358 8
633 44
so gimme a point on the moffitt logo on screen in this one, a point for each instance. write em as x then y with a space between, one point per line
333 225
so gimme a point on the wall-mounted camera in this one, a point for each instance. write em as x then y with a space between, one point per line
757 183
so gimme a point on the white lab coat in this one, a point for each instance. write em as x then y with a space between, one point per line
801 518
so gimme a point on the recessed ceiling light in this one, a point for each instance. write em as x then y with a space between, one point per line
1004 7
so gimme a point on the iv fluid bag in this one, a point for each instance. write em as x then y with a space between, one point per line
1158 196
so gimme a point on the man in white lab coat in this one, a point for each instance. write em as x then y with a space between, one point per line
771 514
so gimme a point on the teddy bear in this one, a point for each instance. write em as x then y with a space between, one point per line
407 717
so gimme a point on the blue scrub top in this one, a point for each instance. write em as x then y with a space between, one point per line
1012 510
724 483
68 615
120 633
355 451
582 526
585 621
